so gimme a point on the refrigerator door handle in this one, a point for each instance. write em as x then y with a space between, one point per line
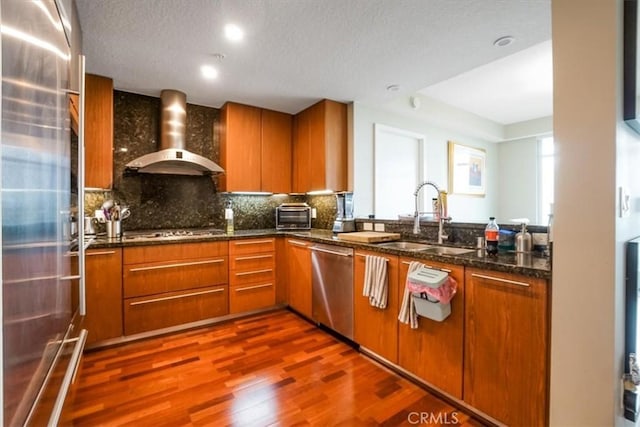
82 304
69 376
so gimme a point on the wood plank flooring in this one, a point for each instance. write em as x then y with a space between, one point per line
269 369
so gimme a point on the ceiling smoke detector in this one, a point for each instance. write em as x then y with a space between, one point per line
504 41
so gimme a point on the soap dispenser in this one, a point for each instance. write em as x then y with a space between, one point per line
523 238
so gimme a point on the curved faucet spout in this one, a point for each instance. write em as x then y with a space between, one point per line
439 214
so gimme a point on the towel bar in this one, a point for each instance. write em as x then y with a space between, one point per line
364 256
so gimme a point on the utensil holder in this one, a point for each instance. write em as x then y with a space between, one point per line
114 229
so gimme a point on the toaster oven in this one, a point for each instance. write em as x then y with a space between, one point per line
293 216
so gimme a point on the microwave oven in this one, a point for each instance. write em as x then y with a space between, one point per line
293 216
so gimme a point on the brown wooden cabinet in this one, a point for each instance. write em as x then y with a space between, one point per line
255 149
299 276
507 346
282 271
98 132
374 328
103 284
276 151
168 285
320 148
434 351
252 274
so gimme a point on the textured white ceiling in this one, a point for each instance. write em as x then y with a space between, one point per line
298 51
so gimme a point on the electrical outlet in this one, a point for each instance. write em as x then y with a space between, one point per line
378 226
314 213
539 239
367 226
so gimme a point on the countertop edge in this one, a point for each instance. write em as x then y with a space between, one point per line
503 263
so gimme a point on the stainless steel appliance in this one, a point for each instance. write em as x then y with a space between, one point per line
42 196
344 221
172 157
332 287
293 216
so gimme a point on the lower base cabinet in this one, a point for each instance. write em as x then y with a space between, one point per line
169 285
376 329
103 284
252 274
174 308
299 276
434 351
507 346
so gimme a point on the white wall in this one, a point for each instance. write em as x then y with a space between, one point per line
595 152
518 180
461 208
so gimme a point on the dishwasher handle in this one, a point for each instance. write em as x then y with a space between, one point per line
327 251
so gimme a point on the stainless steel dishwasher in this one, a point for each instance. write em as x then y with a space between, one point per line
332 287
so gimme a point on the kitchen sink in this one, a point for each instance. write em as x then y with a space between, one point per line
405 245
447 250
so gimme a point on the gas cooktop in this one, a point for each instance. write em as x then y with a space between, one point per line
172 233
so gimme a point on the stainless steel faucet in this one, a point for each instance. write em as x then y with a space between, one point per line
440 213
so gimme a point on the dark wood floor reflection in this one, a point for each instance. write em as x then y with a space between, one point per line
271 369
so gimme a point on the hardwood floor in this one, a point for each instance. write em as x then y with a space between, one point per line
270 369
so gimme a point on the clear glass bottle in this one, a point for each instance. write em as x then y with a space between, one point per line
491 236
228 216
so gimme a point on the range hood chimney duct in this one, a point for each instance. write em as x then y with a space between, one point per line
171 157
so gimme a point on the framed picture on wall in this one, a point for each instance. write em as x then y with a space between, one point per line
467 170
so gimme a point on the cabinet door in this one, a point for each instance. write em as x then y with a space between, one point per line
103 276
317 152
98 132
276 152
335 140
433 352
375 328
301 181
506 347
240 148
299 263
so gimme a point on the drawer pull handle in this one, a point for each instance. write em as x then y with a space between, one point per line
182 264
248 288
248 258
253 242
246 273
100 253
297 243
446 270
75 277
192 294
498 279
364 256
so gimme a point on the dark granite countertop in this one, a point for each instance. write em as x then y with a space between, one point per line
529 265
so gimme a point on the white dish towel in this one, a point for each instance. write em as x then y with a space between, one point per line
376 281
408 314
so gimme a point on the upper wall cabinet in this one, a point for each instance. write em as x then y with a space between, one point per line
98 132
320 148
255 149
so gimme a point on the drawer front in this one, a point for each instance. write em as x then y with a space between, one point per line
252 246
174 308
155 278
251 297
257 261
263 275
174 252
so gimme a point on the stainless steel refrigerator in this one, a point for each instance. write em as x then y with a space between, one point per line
41 198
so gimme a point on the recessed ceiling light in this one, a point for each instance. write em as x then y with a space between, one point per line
393 88
208 72
233 32
504 41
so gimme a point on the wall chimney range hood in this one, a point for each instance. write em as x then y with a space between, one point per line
171 157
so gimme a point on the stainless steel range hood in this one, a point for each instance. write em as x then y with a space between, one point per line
171 157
